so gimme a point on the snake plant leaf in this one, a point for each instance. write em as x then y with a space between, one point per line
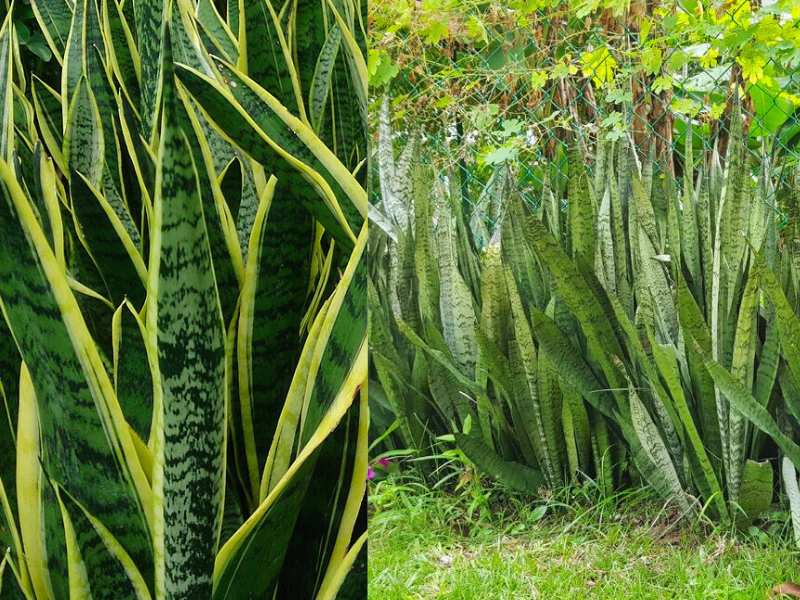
573 288
666 360
769 362
232 15
43 550
43 189
792 490
83 141
446 395
141 161
402 399
250 561
265 55
455 300
515 475
519 255
226 251
132 376
10 586
742 360
255 120
690 227
426 267
575 424
187 43
736 196
49 118
223 39
766 377
184 320
54 18
349 579
355 51
346 336
540 419
655 292
604 262
495 307
744 402
273 296
98 564
91 455
339 478
6 89
323 73
107 232
755 493
442 357
651 455
574 371
123 53
582 227
249 201
691 318
150 19
75 53
325 362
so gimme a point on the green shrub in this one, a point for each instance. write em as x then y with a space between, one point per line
633 324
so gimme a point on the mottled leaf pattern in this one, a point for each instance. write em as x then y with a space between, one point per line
185 322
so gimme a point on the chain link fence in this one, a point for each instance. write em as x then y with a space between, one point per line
515 99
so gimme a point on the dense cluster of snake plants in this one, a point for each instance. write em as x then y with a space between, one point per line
629 325
183 357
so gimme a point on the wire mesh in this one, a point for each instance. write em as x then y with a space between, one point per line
517 98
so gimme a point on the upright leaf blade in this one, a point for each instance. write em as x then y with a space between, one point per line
184 320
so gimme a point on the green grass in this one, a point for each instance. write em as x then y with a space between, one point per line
577 544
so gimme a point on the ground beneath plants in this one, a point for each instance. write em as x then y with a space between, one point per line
575 544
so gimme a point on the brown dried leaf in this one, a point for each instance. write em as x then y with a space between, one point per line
787 588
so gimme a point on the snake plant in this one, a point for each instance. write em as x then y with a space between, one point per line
183 355
629 324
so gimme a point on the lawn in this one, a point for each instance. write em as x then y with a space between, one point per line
432 544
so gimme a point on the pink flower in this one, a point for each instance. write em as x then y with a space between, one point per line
384 462
370 474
